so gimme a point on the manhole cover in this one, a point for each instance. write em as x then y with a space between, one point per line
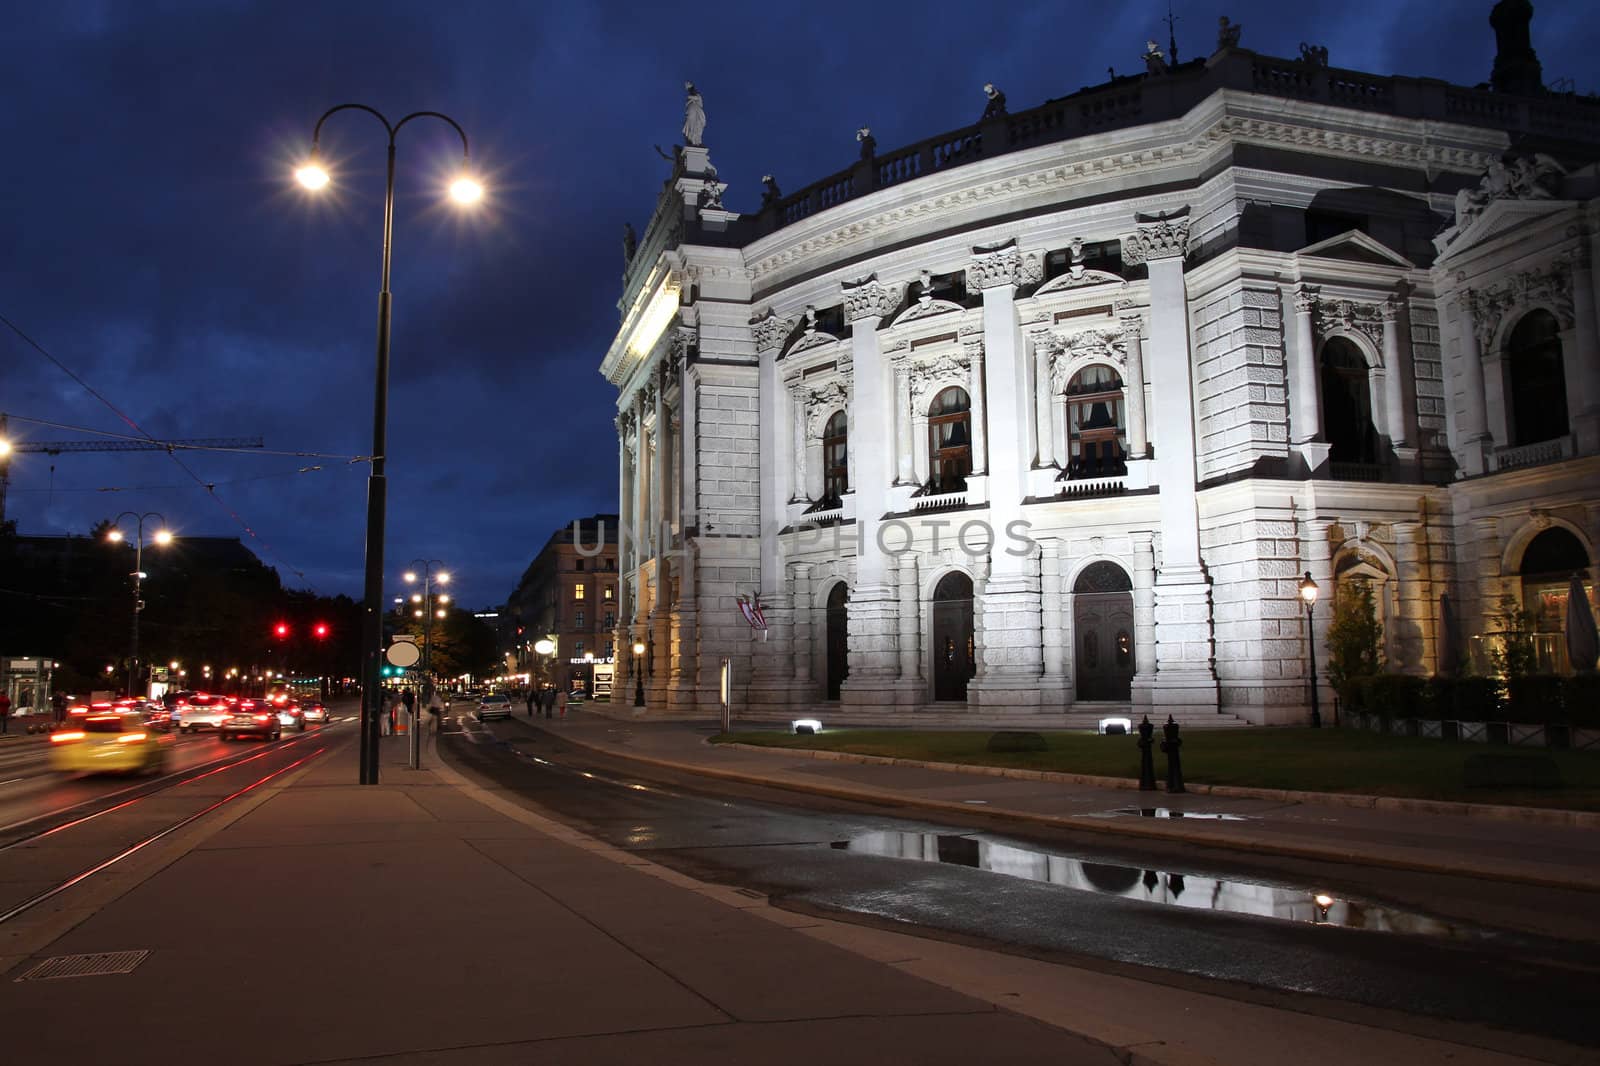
104 962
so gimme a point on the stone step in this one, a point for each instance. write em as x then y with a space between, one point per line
1074 719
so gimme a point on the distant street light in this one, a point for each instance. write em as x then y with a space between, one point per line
1308 593
638 677
314 176
429 577
162 537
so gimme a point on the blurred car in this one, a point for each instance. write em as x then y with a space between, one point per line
494 705
154 714
288 712
316 712
251 719
109 741
203 711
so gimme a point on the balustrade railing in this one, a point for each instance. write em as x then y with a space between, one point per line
1342 471
1536 454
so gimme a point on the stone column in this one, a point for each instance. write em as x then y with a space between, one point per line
980 422
873 610
1305 408
624 529
1054 684
798 479
1133 340
1583 370
636 512
1011 650
1144 619
912 689
805 692
1472 421
1058 433
689 504
905 456
686 637
1411 645
1043 402
1185 671
658 485
1395 371
919 446
1490 584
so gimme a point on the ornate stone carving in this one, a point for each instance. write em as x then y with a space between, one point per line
867 298
999 264
812 337
1536 177
1228 33
938 371
1306 299
1161 237
771 330
683 338
1548 287
1131 317
1347 316
820 403
1032 270
694 115
1091 345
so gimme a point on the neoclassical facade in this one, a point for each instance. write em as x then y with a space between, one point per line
1048 415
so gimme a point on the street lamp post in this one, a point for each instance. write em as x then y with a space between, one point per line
1308 593
463 190
638 677
424 570
162 537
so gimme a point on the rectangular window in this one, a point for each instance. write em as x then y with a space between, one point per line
608 592
611 649
577 591
580 564
577 621
611 620
577 649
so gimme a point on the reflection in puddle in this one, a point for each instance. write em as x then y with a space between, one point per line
1168 812
1253 898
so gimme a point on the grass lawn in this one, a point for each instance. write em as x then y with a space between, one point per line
1316 760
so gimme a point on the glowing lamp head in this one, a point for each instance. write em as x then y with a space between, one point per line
638 647
466 190
409 577
163 537
312 176
416 597
443 579
114 536
545 646
1308 589
5 447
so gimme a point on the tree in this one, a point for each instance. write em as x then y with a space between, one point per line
1355 639
1512 653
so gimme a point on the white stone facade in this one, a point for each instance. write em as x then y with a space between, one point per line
1285 372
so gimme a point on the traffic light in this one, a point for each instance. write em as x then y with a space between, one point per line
320 630
281 630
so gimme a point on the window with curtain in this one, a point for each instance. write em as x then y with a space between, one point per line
1537 379
1097 430
835 459
949 441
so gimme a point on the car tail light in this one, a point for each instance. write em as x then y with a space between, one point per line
263 717
103 718
78 709
62 738
130 738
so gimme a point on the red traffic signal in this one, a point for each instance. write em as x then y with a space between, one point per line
320 630
281 629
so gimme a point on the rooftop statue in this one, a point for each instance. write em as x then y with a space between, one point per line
1227 33
1315 55
769 190
630 243
1154 61
694 116
1535 177
996 105
869 143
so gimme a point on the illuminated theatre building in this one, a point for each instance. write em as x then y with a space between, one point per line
1198 331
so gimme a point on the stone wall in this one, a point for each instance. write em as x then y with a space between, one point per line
1239 378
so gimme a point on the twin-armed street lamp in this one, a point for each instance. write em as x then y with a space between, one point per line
463 190
427 606
162 537
1308 593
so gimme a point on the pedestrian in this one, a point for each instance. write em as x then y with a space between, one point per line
388 719
410 701
5 712
561 702
530 696
434 709
548 699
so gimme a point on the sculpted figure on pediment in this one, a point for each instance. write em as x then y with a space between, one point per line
1535 177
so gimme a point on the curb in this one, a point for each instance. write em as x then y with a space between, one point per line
1500 812
1363 856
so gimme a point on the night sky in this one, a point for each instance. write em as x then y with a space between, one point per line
153 240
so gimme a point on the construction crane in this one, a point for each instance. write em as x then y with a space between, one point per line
59 447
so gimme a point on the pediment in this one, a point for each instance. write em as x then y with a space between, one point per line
1353 246
925 309
1083 279
1500 217
811 338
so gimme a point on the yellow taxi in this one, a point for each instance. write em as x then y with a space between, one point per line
113 741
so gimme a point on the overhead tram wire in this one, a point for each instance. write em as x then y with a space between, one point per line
181 445
266 548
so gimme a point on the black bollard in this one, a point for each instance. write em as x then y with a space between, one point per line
1147 757
1174 765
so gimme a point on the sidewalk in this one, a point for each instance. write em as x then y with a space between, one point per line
1553 855
427 920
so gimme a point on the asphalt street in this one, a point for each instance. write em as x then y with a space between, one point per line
1324 937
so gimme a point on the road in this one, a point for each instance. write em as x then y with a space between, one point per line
1411 950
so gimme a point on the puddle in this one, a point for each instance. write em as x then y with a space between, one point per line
1257 899
1167 812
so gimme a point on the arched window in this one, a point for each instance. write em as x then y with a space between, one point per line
1537 380
835 459
949 441
1347 404
1097 432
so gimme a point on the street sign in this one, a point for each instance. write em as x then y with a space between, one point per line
403 653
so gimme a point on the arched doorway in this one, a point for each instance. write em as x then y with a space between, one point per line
1347 404
1102 625
1537 380
838 638
954 652
1547 567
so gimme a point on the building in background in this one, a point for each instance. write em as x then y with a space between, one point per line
1052 411
569 595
